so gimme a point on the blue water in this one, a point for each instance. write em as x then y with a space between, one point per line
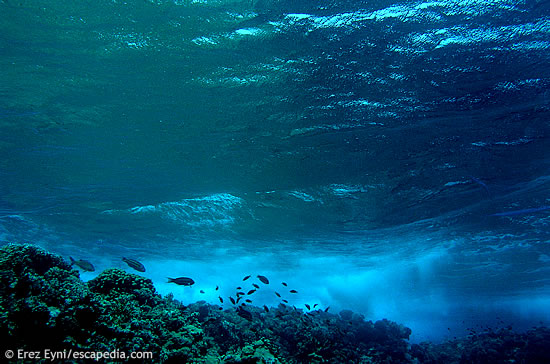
386 157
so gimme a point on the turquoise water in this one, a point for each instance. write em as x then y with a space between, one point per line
357 149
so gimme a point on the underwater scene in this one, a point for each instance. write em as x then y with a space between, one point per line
275 181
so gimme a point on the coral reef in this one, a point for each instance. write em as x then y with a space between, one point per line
45 305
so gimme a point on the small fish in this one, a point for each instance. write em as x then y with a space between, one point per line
284 284
308 307
247 315
217 288
266 309
256 286
221 299
238 299
247 300
315 305
263 279
232 300
245 278
293 291
83 264
251 291
278 295
132 263
201 291
240 294
181 281
243 304
285 301
326 309
239 287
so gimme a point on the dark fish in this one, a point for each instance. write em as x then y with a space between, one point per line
245 278
217 288
238 299
293 291
263 279
278 295
132 263
247 315
256 286
247 300
201 291
284 284
182 281
315 305
221 299
232 300
251 291
239 287
83 264
309 308
243 304
266 309
326 309
285 301
240 294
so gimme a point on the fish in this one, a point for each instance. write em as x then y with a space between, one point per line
247 300
263 279
326 309
284 284
266 309
239 287
251 291
217 288
181 281
245 278
247 315
285 301
239 294
238 299
201 291
232 300
83 264
220 298
132 263
308 307
256 286
293 291
278 295
315 305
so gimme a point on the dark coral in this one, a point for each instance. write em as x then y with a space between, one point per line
45 305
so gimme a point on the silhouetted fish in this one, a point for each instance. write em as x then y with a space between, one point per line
326 309
232 300
266 309
132 263
201 291
221 299
293 291
251 291
315 305
284 284
247 315
263 279
239 288
247 300
256 286
83 264
217 288
285 301
278 295
182 281
309 308
245 278
240 294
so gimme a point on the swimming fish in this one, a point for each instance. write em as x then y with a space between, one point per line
217 288
293 291
266 309
83 264
221 299
326 309
284 284
256 286
201 291
315 305
308 307
232 300
278 295
251 291
239 288
245 278
247 300
132 263
285 301
181 281
263 279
